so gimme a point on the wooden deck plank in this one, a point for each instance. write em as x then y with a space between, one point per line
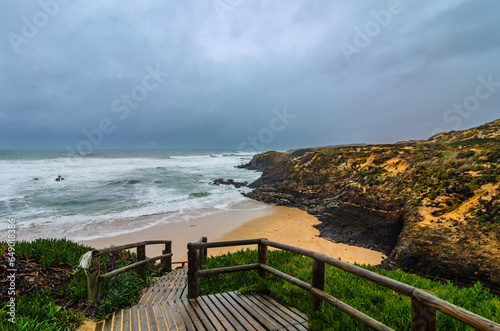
253 310
126 326
180 286
299 317
210 314
165 294
153 295
192 314
242 312
290 321
164 306
205 321
152 323
168 316
185 316
177 316
183 286
134 318
108 323
143 319
245 323
234 322
270 312
156 291
117 320
171 288
217 313
160 319
147 293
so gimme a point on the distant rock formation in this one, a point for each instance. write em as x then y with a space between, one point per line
261 162
59 178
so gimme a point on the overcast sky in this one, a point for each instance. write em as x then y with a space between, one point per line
244 74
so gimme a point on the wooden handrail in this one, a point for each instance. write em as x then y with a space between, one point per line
360 272
215 244
93 273
113 249
424 304
117 272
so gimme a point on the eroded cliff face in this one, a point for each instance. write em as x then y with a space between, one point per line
432 207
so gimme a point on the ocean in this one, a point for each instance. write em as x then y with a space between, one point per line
112 192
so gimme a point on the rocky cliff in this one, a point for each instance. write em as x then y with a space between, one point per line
432 206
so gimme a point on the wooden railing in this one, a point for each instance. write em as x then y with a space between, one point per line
93 273
424 304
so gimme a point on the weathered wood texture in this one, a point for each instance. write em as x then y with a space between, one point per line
193 280
141 256
318 281
93 288
167 260
423 318
164 306
262 258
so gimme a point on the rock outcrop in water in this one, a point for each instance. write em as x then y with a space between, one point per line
432 206
265 160
222 181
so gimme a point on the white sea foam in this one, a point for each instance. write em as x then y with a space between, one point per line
104 190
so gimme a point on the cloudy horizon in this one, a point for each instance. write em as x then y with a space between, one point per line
239 74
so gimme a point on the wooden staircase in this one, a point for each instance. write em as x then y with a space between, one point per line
164 306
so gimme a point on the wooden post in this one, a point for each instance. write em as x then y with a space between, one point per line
423 317
93 273
193 281
167 261
203 252
262 259
141 255
318 281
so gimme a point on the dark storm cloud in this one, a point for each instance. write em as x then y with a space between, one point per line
214 74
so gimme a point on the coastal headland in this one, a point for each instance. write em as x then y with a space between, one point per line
432 206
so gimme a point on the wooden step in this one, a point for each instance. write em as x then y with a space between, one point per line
164 306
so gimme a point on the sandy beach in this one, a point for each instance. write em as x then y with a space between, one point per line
246 220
